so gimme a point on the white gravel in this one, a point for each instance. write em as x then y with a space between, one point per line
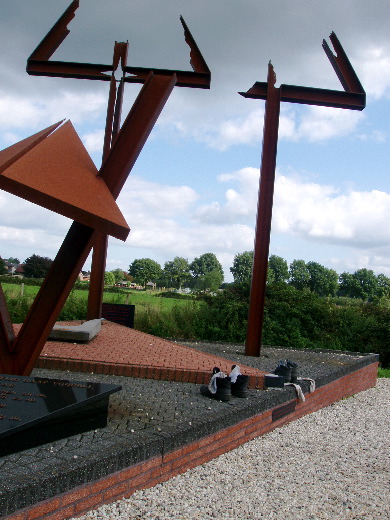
332 464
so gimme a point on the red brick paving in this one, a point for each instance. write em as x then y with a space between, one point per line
123 351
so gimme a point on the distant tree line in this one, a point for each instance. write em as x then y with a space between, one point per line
314 277
306 306
205 273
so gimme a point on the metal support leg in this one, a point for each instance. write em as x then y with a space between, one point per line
264 217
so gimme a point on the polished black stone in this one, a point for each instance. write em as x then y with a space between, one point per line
37 410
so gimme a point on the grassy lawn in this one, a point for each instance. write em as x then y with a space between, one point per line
138 298
16 290
383 372
141 298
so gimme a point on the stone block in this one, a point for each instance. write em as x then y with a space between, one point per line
83 333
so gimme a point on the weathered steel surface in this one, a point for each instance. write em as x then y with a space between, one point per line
58 174
11 154
125 151
264 215
96 281
39 64
354 98
135 131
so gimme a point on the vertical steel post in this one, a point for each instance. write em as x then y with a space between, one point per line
113 119
353 98
264 217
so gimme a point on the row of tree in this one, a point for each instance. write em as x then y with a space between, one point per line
363 283
206 273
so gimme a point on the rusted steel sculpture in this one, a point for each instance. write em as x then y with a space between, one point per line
353 97
122 146
39 64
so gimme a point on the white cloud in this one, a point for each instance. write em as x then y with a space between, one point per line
93 141
311 211
167 221
19 113
316 212
29 229
374 63
240 202
322 123
143 197
19 213
244 130
310 123
378 262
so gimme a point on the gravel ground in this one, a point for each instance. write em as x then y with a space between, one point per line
332 464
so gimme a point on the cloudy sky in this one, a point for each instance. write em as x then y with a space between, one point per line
194 187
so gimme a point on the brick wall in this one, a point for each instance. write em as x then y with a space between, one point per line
159 469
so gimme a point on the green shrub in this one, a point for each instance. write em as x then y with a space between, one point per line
384 372
176 322
292 318
75 308
223 317
18 305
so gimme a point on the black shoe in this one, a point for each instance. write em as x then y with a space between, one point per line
223 390
240 387
283 370
204 390
294 370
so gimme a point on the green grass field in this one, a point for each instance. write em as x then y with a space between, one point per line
166 316
384 372
154 314
143 298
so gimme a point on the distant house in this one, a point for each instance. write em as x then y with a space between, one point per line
133 285
19 271
85 276
11 267
123 283
150 285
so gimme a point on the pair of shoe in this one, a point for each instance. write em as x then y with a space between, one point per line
287 369
223 387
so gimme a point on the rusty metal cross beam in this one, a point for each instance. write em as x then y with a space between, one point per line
354 98
122 146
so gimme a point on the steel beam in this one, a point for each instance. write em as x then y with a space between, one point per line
353 98
264 217
96 281
135 130
51 297
310 96
113 121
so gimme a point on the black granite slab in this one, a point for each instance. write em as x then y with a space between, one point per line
37 410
